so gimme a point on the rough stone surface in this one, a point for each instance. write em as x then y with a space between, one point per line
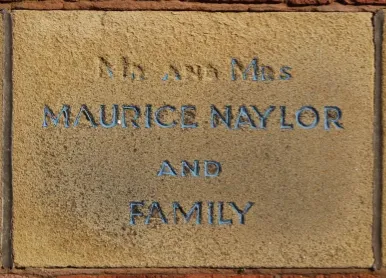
1 120
346 275
119 5
188 4
312 189
177 276
83 3
384 147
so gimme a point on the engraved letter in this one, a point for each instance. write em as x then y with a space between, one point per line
221 220
174 71
102 116
194 171
55 119
196 207
328 119
171 171
210 163
236 66
157 114
84 110
210 212
134 211
210 72
263 118
135 117
155 206
216 115
148 116
244 118
284 73
186 108
241 213
313 111
136 70
283 124
193 72
105 66
267 73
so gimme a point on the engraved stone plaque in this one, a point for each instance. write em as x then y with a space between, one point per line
192 139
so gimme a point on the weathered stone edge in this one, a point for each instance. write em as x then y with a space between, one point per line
6 236
378 22
334 275
175 5
7 114
100 3
189 273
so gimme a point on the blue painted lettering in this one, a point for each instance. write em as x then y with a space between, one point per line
102 116
267 73
133 121
237 67
189 109
166 166
134 211
157 116
156 213
197 207
216 116
263 117
212 168
244 118
221 220
155 208
241 213
332 115
284 73
148 116
210 212
84 110
283 124
193 170
314 113
55 119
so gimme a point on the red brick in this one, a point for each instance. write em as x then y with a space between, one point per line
296 276
198 276
240 276
308 2
363 275
363 2
132 276
18 276
238 1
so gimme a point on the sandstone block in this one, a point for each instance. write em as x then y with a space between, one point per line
192 139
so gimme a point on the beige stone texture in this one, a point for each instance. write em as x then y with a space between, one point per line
384 147
311 188
1 123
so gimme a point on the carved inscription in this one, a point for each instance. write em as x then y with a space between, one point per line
232 118
147 213
125 68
